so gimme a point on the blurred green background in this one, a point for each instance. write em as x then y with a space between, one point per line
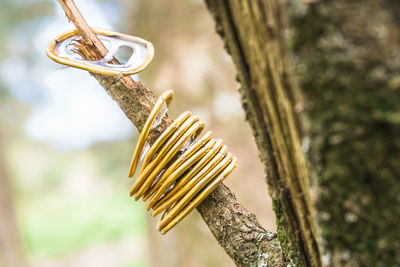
65 146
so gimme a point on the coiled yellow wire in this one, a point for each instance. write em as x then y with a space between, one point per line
178 172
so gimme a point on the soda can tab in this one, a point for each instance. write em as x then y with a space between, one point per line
63 50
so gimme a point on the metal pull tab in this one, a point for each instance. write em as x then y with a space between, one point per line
62 51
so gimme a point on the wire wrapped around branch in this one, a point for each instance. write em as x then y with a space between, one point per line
180 169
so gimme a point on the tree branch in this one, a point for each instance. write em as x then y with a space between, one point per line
236 230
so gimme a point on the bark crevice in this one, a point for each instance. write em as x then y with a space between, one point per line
252 32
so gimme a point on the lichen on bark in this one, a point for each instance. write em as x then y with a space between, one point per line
348 64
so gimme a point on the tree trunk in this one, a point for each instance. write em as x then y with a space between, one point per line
320 86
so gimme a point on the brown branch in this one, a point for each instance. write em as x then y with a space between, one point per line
236 230
73 14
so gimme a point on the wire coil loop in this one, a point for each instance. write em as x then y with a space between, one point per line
180 169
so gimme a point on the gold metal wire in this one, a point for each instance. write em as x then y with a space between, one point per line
180 169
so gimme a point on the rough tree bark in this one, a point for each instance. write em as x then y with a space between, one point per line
252 31
236 229
320 81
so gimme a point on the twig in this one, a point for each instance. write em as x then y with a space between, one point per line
236 229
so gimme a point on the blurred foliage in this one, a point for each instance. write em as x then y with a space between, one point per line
74 224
